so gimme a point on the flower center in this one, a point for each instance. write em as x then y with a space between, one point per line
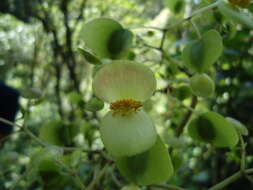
125 106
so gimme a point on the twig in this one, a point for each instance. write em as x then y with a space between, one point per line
98 177
147 45
39 141
197 12
227 181
196 29
168 187
186 117
243 153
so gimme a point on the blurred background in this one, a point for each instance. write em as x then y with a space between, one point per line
39 57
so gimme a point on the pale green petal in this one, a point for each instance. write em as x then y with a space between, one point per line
124 80
127 135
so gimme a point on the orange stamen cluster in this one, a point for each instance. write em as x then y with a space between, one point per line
240 3
125 106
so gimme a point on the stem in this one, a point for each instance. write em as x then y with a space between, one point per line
243 153
212 6
196 29
39 141
206 8
186 117
168 187
227 181
72 173
145 27
25 174
209 7
97 178
249 171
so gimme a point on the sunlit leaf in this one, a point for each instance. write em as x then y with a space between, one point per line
213 128
151 167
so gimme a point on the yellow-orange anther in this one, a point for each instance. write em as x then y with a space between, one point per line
125 106
240 3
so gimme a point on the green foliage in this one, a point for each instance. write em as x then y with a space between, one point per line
202 85
94 104
212 128
56 143
151 167
89 56
107 38
201 54
236 15
241 129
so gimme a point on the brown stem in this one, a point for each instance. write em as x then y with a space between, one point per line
69 55
186 117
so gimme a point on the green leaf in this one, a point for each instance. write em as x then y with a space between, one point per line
89 56
50 131
58 133
213 128
177 159
75 98
202 85
236 15
240 128
94 105
119 41
199 55
151 167
175 5
182 92
213 48
96 34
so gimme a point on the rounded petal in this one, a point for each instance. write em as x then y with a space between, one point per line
97 33
124 80
127 135
213 128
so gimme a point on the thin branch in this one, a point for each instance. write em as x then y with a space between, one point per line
147 45
195 13
243 153
196 28
42 143
69 55
98 177
227 181
81 14
186 117
145 27
168 187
